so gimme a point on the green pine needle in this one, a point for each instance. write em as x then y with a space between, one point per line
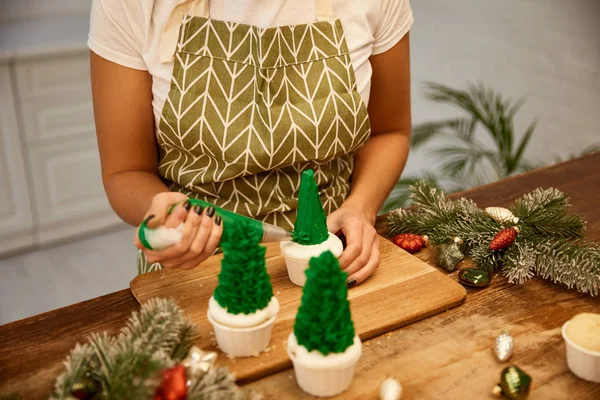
547 245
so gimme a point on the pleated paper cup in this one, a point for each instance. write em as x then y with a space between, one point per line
582 362
243 342
297 256
296 270
326 380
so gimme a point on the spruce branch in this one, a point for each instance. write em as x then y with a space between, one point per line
219 384
571 263
544 212
486 259
518 264
76 369
548 243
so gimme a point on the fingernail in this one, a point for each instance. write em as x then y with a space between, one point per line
148 218
351 283
198 209
187 205
210 211
218 220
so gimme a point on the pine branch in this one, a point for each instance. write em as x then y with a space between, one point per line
219 384
518 263
544 213
77 368
486 259
126 366
571 263
430 199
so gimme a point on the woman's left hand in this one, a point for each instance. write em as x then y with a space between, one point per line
361 255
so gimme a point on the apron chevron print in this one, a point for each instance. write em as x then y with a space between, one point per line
250 108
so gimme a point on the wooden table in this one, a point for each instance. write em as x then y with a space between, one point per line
447 356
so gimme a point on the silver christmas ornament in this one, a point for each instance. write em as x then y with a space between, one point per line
503 346
501 215
391 389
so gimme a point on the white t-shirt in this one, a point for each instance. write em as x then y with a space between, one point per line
128 32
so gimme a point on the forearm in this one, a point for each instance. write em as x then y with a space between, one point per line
377 168
130 193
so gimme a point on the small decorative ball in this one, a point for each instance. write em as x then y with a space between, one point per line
85 389
173 385
514 384
474 277
503 239
409 242
449 255
391 389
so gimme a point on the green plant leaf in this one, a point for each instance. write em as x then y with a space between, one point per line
516 161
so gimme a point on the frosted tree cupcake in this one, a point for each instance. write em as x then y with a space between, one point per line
324 347
311 237
243 309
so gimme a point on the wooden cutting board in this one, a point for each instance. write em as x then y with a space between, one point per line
403 290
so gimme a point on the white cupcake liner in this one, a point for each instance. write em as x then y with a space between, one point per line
297 263
322 377
295 269
323 382
582 362
243 342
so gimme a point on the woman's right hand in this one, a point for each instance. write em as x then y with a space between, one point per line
201 231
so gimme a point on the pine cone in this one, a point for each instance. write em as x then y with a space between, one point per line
409 242
503 239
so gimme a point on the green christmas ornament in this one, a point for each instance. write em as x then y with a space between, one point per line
474 277
514 384
324 322
244 284
311 222
449 255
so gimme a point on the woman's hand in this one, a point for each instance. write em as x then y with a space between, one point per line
201 231
361 255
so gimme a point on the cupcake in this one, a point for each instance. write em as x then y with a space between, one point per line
311 237
582 335
324 346
243 309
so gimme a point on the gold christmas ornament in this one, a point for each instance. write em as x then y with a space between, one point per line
501 215
503 346
199 362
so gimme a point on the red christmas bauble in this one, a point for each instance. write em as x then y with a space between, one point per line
173 385
503 239
409 242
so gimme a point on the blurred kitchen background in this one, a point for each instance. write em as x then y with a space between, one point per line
60 242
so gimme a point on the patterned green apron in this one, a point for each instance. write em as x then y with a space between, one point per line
250 108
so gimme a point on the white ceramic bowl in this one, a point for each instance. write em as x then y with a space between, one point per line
243 342
297 256
582 362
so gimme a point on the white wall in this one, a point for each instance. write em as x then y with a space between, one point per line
545 50
19 10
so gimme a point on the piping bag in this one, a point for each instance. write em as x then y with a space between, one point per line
161 238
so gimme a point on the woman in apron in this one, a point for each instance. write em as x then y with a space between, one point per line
229 101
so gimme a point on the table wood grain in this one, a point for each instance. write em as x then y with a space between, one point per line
446 356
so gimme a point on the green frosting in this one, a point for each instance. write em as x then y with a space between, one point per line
244 284
311 222
323 322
